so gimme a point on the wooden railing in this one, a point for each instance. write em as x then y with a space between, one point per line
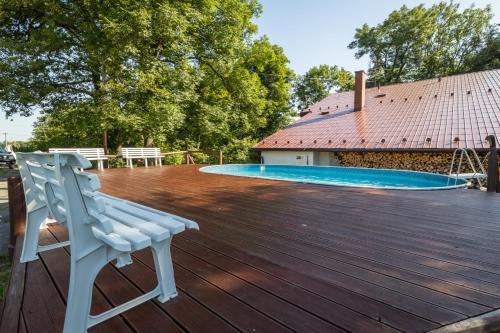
17 211
189 158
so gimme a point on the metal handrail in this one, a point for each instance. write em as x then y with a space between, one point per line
464 151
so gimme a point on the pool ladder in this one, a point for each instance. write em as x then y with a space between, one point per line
478 173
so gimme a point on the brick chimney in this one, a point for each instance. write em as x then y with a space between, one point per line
359 90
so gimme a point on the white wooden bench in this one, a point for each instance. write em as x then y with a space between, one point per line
92 154
130 154
101 229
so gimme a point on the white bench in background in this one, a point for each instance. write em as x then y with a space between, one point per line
92 154
101 229
130 154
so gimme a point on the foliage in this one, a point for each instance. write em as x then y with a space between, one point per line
174 159
419 43
24 146
318 82
114 162
489 56
169 73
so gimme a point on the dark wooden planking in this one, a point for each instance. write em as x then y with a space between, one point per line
276 224
43 307
192 205
422 308
182 308
360 260
237 313
17 211
277 221
9 321
309 301
368 271
264 215
378 311
274 307
22 324
348 250
337 277
346 245
1 310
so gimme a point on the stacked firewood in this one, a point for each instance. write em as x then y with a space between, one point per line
428 162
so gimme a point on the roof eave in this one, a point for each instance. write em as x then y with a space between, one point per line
360 150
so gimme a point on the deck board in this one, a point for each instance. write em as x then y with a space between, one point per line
275 256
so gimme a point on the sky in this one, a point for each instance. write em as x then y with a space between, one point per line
311 32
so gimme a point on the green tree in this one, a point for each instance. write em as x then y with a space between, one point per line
175 74
270 64
318 82
489 56
419 43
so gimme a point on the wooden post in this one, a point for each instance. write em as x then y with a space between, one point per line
105 141
220 157
17 210
492 165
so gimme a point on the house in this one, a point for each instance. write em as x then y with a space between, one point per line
414 125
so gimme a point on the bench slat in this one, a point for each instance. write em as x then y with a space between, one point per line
156 232
134 236
113 240
92 154
173 225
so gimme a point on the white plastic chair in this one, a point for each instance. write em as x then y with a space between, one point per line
101 228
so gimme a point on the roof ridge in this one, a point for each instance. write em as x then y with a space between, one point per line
403 83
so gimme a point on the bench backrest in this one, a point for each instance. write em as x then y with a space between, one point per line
88 153
55 181
140 152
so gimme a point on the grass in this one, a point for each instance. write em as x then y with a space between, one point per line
4 274
3 172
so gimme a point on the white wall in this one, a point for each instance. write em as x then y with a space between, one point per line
288 157
324 158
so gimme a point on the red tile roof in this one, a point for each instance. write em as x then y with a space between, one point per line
456 112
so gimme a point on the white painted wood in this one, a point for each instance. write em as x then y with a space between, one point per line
101 229
92 154
145 153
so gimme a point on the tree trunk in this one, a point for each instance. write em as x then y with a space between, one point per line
105 141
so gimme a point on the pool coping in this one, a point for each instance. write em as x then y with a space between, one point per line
318 182
488 322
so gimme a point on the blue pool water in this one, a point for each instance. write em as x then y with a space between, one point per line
342 176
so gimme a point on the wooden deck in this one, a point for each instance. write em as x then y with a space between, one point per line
276 256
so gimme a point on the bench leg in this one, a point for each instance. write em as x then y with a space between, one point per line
159 160
34 221
82 276
129 163
164 269
146 162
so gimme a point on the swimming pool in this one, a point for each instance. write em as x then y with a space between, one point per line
342 176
